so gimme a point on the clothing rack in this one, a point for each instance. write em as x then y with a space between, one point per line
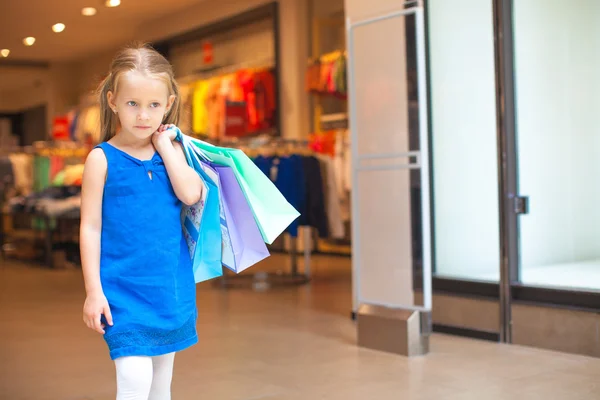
52 229
8 150
263 280
334 121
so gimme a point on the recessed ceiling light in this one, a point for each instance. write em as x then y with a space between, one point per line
112 3
29 41
58 27
88 11
4 52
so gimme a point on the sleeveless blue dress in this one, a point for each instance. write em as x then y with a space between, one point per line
145 266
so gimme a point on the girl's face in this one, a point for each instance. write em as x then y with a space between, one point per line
141 103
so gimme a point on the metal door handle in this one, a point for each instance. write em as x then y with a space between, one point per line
521 204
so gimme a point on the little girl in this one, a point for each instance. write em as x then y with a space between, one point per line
138 274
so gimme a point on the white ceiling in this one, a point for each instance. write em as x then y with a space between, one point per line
83 36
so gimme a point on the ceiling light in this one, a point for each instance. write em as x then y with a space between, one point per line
88 11
112 3
29 41
58 27
4 52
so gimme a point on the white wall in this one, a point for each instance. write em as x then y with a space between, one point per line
557 68
252 43
15 101
464 138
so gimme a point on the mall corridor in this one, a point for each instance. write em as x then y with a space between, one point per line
285 343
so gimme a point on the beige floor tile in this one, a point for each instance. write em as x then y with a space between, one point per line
295 343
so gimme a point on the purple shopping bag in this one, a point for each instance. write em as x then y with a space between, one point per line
246 239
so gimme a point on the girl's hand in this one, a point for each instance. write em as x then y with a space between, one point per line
167 127
163 136
95 305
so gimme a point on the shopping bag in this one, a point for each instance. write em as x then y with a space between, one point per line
227 255
246 240
201 224
272 212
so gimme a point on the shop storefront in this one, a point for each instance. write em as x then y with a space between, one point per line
514 143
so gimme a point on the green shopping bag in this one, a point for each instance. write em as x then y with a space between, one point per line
272 212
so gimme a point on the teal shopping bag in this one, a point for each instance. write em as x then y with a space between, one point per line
201 224
272 212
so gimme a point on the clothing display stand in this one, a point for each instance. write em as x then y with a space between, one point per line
47 229
261 280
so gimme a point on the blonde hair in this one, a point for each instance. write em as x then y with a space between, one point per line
146 60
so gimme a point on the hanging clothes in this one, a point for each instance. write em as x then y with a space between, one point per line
327 75
265 164
7 177
332 200
323 142
342 163
291 181
301 180
23 172
265 102
251 92
199 107
315 203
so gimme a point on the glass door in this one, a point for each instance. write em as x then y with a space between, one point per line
547 61
557 81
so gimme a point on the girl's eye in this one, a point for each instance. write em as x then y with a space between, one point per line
131 103
155 105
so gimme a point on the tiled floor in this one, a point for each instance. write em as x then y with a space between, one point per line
292 343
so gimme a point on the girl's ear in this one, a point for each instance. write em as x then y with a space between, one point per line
110 98
170 102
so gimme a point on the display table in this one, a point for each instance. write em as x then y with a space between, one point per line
47 232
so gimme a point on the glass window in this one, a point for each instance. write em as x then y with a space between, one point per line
465 172
557 81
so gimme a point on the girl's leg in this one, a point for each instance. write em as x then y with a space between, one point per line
134 377
161 380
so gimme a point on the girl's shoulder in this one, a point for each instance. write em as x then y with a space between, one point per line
95 167
96 158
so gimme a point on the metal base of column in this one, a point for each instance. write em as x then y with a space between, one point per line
394 330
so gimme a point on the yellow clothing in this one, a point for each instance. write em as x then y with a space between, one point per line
200 114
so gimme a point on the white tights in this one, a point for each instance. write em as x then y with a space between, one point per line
144 378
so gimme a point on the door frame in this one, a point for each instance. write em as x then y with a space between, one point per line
507 161
509 290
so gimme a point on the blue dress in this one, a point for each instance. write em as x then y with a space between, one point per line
145 266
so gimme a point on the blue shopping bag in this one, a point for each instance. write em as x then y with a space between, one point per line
201 223
227 256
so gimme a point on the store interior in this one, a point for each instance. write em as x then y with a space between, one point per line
271 79
248 80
